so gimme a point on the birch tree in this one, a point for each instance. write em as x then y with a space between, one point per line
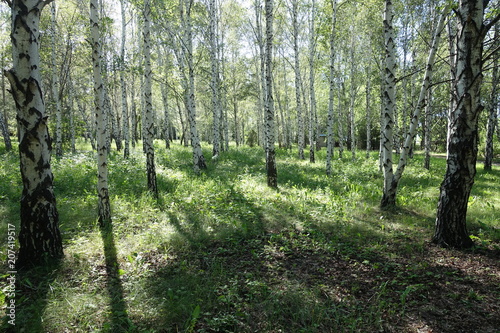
451 228
214 78
39 235
391 179
55 81
389 104
4 126
312 90
198 158
123 85
3 122
331 77
298 78
164 61
148 103
492 107
272 174
104 207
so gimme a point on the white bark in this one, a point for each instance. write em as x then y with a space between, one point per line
391 184
164 61
492 108
389 103
312 90
329 139
214 78
198 158
55 81
298 78
101 121
123 85
451 228
148 103
427 130
39 235
272 176
368 111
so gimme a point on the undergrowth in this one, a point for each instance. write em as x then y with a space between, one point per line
222 252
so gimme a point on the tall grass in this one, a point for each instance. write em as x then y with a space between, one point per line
215 252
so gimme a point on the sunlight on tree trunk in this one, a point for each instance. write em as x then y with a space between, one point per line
104 206
451 228
123 86
272 175
148 112
39 235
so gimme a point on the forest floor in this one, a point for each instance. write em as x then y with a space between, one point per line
221 252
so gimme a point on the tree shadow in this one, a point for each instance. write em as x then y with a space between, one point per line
32 287
119 320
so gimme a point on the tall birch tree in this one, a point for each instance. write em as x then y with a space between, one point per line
104 207
389 104
148 103
272 174
298 78
55 81
492 107
198 158
123 85
214 86
331 77
451 227
391 178
312 90
39 235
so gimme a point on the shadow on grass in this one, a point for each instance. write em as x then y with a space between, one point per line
311 282
119 320
33 285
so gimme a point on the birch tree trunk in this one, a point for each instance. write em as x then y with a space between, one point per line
298 98
39 235
148 103
104 207
352 95
214 79
312 91
164 61
272 174
123 85
71 100
427 130
389 104
198 158
493 108
3 123
133 114
392 182
329 138
340 118
261 76
368 111
4 126
55 82
451 228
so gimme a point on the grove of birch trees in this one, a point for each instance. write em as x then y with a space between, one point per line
387 77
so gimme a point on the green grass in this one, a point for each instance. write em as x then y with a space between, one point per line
222 252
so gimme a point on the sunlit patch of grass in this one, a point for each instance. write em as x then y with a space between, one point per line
223 252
